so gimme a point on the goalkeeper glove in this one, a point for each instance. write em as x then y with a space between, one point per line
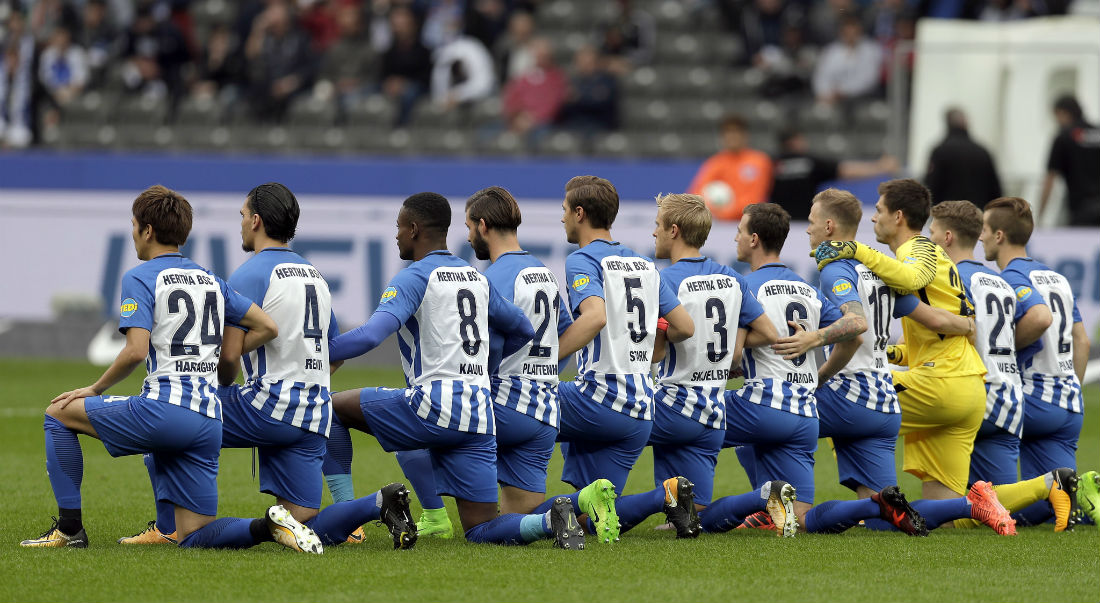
829 251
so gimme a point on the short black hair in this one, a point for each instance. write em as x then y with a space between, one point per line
278 208
430 211
771 224
1069 104
912 198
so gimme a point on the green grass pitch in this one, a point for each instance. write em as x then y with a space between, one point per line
950 565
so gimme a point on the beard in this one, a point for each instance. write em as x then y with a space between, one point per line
481 248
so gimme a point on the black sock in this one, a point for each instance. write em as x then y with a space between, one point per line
69 521
260 531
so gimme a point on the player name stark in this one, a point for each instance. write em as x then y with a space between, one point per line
711 375
461 277
800 378
540 369
620 265
175 278
709 284
295 271
184 366
471 369
787 289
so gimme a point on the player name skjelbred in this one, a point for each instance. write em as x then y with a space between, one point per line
460 277
709 284
711 375
297 271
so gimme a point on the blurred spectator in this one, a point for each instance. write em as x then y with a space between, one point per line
882 18
593 100
406 65
154 54
48 15
486 20
848 68
787 68
463 73
532 100
629 40
350 63
762 25
513 51
747 173
905 30
799 175
826 17
16 82
279 61
62 73
1075 156
442 23
99 37
960 169
221 67
320 20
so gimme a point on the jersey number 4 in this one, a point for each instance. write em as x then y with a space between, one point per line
210 333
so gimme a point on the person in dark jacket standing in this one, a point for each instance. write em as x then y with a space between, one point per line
960 169
1075 156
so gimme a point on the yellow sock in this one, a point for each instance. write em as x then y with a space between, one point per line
1014 497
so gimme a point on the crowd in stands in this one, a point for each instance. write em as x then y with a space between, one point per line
254 58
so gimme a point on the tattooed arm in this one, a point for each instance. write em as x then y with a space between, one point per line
847 328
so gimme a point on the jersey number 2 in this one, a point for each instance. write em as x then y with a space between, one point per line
209 334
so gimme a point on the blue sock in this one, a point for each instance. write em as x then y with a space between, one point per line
166 511
417 466
223 533
937 512
340 487
338 453
729 512
64 463
636 508
1034 514
534 527
835 516
506 529
336 522
548 503
881 525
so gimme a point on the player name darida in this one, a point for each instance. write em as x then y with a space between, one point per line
709 284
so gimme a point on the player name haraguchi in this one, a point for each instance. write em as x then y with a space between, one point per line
186 366
711 375
175 278
709 284
460 277
787 289
532 278
540 370
993 282
297 271
621 265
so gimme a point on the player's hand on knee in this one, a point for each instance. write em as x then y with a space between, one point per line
64 399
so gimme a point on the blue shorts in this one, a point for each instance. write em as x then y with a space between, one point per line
290 457
864 440
184 445
995 454
524 447
464 464
597 442
780 444
683 446
1050 438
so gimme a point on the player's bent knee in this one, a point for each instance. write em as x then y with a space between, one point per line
473 514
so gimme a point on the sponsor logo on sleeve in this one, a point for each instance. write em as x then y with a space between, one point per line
909 260
389 294
1023 293
129 306
581 281
842 287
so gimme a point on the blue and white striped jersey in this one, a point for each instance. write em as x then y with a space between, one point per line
182 305
996 313
692 377
866 379
527 381
445 308
769 379
288 377
1046 366
614 368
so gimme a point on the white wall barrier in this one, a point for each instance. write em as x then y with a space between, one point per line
64 243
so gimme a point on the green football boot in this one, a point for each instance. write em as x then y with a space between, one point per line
597 500
435 523
1088 495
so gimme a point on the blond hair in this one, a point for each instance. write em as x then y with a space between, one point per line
841 207
690 213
